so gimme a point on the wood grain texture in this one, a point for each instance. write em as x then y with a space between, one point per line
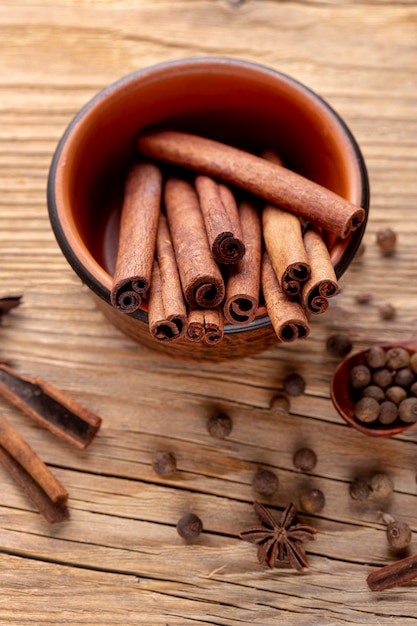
119 559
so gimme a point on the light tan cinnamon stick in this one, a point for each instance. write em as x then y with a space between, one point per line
201 279
34 477
322 283
138 228
282 232
221 218
272 182
50 407
244 279
287 316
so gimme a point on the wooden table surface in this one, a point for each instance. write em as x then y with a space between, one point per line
119 559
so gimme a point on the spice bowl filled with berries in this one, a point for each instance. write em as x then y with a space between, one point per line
210 205
375 390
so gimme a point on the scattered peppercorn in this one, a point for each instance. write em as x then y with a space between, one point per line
360 376
339 345
219 425
305 459
294 384
381 485
386 239
360 489
363 298
312 501
387 311
280 404
398 535
189 526
265 482
367 409
164 464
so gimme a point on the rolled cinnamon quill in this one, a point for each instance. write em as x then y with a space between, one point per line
270 181
322 283
221 218
201 279
33 476
163 326
195 329
138 228
205 325
244 279
287 316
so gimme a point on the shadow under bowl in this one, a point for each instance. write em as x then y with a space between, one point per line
237 102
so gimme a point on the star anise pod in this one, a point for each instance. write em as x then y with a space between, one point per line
279 541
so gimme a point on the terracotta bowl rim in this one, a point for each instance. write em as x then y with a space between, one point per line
84 272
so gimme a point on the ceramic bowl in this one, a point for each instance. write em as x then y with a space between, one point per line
234 101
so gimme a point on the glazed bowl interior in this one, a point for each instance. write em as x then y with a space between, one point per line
236 102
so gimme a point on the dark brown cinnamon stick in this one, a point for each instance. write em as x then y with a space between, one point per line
162 326
33 476
201 279
138 228
213 326
244 279
221 218
274 183
322 283
283 238
287 316
50 407
394 575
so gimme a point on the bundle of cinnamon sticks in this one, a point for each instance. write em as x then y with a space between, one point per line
209 233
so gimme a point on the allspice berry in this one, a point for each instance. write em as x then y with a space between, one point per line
366 410
386 240
189 526
360 376
375 357
294 384
413 362
398 535
388 412
339 344
381 485
305 459
404 377
407 410
395 394
280 404
397 358
360 489
387 311
164 464
383 377
265 482
373 391
312 501
219 425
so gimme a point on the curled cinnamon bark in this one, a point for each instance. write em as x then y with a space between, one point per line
395 574
270 181
287 316
167 313
33 476
201 279
205 325
221 218
138 228
322 283
195 330
244 279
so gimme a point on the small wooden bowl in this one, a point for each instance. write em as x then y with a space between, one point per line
237 102
342 398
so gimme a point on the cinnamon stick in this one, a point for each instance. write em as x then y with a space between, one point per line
393 575
287 316
205 325
270 181
201 279
244 279
163 326
322 283
50 407
34 477
283 238
195 329
138 228
221 218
